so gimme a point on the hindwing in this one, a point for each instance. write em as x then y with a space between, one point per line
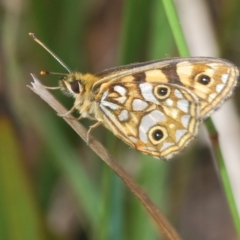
155 118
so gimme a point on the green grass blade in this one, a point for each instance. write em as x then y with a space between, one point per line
183 50
176 28
19 215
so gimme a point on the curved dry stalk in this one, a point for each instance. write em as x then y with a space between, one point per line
163 225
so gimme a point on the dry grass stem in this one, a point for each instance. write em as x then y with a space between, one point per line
163 225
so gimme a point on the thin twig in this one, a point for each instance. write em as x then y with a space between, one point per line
164 226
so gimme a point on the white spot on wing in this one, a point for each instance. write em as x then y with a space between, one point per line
211 97
148 121
224 78
119 89
169 102
139 105
183 105
147 92
104 95
110 105
179 134
157 115
166 145
106 103
178 94
110 116
124 115
121 99
174 113
185 120
219 87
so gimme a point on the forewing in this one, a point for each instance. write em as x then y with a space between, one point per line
212 80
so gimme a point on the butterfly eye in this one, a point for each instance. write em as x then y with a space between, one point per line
75 86
157 134
204 79
162 92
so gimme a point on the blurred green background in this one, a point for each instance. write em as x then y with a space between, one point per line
52 186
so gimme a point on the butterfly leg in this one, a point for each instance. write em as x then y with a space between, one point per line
90 129
68 112
52 88
73 118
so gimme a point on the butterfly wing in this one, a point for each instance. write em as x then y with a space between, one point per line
155 118
212 80
134 106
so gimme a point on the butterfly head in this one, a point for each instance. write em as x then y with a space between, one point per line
71 84
76 83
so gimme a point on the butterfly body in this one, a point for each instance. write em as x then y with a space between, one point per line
155 107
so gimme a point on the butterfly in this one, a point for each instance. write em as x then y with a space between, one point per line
155 107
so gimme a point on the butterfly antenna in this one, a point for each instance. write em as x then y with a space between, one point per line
32 35
52 73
